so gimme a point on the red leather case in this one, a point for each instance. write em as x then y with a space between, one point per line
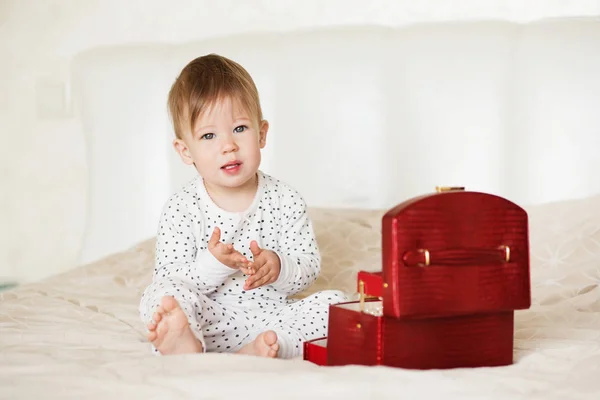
316 351
462 341
455 266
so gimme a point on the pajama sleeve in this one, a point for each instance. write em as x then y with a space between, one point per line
177 253
298 251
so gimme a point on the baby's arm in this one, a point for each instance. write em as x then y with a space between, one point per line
176 251
298 250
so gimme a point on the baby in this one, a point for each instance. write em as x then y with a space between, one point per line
234 243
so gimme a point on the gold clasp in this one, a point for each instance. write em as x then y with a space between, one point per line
363 297
506 252
427 257
361 292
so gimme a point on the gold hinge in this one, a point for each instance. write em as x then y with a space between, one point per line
441 189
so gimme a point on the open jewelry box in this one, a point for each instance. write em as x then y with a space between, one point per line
455 267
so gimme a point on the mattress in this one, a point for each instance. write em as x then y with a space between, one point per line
78 335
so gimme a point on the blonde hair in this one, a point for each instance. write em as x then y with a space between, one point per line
204 81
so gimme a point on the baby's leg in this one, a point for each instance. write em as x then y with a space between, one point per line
264 345
167 308
302 320
171 308
170 332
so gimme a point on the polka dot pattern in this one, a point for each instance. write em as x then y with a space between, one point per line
212 294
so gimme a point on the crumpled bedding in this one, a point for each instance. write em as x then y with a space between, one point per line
78 335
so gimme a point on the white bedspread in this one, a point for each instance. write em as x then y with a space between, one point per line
78 335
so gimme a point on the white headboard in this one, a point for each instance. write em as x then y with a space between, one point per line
361 117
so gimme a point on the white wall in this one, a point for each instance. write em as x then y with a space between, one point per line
43 168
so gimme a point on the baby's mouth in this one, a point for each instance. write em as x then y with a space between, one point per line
231 165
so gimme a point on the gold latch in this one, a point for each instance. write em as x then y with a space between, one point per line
363 296
441 189
361 292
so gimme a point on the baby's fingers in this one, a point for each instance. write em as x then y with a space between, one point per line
257 282
214 238
239 261
228 250
246 270
252 281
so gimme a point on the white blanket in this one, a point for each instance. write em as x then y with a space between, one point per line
78 335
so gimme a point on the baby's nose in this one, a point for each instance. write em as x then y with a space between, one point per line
229 146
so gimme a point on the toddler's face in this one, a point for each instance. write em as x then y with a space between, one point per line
224 145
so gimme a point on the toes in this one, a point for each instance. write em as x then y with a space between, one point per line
152 336
151 326
156 317
272 353
169 303
270 338
275 347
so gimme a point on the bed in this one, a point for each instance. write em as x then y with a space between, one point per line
78 334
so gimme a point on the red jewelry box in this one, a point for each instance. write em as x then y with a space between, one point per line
455 267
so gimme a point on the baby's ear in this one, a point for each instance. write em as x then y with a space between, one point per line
183 151
263 130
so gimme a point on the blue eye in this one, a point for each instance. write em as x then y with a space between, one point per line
208 136
240 129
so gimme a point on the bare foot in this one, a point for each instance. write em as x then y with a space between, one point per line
265 345
170 333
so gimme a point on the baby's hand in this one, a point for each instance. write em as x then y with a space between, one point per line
225 253
265 268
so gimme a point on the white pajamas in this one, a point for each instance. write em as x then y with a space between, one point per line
222 315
